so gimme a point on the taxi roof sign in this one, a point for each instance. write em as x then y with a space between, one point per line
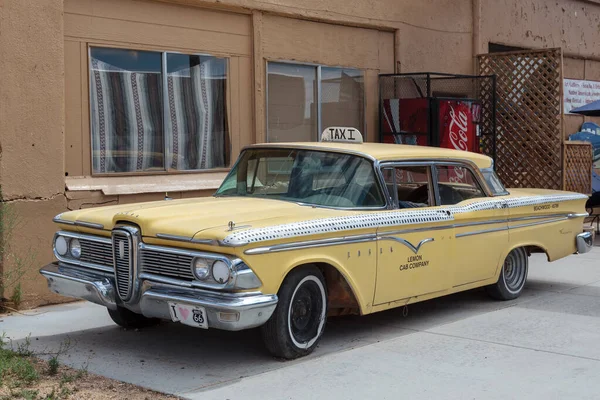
341 134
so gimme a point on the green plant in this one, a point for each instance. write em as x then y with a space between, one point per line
66 378
23 349
19 368
17 295
19 262
53 365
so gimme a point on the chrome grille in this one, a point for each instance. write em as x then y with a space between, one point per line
177 266
123 262
95 252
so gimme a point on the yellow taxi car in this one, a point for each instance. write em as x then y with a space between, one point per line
301 231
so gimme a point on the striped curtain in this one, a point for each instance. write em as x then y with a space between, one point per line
196 121
126 117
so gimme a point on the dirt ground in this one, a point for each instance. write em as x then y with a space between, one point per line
70 384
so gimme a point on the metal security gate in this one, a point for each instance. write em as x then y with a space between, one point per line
528 139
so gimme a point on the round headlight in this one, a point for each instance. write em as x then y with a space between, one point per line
201 268
220 271
61 245
75 248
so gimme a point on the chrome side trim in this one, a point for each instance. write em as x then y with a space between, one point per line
414 230
62 221
570 216
89 225
516 226
385 235
495 221
415 249
538 223
311 243
459 235
58 220
173 237
100 239
178 238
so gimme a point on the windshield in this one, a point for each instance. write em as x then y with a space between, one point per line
305 176
493 182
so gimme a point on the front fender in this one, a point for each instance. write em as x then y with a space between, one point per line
357 263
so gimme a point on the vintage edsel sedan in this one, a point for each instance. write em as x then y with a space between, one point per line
301 231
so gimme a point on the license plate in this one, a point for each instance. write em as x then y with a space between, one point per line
189 315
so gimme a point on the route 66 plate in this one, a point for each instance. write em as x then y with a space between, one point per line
189 315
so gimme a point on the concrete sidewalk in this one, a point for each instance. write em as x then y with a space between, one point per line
546 344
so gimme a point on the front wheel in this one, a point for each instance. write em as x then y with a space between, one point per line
298 321
512 277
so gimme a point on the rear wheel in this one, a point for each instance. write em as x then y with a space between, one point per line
130 320
298 322
512 277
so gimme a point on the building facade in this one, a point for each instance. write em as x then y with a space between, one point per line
117 101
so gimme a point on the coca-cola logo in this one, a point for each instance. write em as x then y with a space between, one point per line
458 129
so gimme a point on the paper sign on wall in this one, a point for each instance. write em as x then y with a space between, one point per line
578 93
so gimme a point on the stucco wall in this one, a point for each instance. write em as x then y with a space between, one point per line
31 129
570 24
431 35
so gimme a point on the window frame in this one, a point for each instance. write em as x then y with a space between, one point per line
431 192
319 92
374 163
164 90
433 172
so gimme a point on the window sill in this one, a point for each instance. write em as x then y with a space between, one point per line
120 185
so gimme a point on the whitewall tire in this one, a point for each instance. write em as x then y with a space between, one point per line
512 277
298 322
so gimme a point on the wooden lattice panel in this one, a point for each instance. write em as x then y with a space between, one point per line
578 157
528 140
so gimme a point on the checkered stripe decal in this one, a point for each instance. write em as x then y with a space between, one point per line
383 219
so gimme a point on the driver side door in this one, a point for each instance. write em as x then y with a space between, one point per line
414 255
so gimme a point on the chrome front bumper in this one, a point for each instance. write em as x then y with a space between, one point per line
584 242
254 308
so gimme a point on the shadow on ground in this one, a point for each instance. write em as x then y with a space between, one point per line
175 358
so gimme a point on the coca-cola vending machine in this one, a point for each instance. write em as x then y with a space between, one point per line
440 110
457 124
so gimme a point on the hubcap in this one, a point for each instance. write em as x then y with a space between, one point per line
306 312
515 270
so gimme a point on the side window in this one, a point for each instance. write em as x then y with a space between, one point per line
409 186
456 184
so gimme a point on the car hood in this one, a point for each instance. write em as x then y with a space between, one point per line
190 217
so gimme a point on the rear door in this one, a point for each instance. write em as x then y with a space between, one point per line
481 223
415 254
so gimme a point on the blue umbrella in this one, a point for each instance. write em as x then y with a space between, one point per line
591 109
